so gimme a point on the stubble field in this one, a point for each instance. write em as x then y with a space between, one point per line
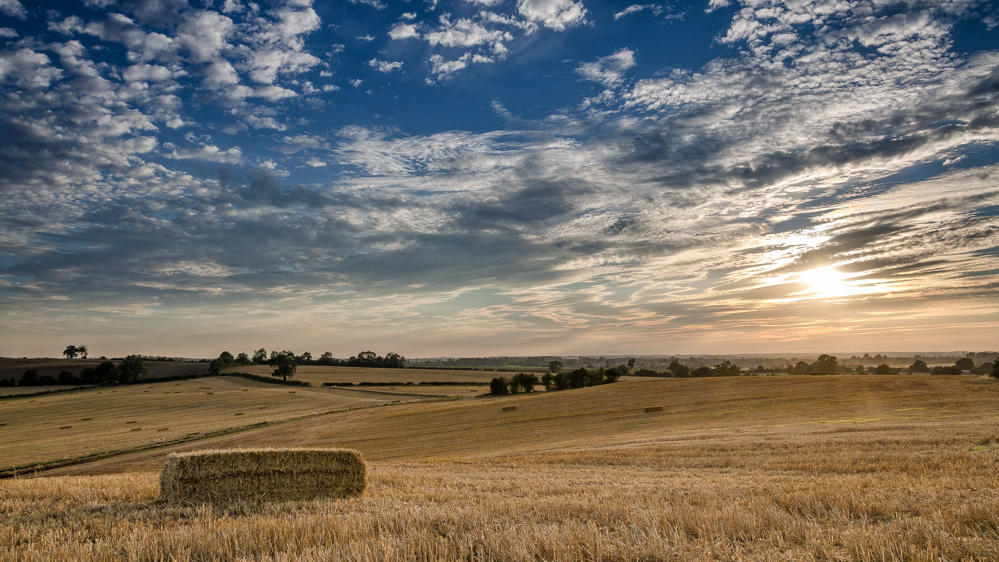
779 468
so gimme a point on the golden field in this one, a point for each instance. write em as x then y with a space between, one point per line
56 427
775 468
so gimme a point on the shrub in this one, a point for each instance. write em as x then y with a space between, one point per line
499 386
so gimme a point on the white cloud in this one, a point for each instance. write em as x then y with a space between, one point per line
444 68
635 8
8 32
13 8
204 34
553 14
384 66
315 163
376 4
608 70
27 69
207 152
273 93
464 33
148 72
403 31
408 16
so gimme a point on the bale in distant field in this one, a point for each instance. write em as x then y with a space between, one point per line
262 475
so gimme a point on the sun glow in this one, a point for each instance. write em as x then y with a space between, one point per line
828 282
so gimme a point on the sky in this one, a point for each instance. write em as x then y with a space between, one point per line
498 177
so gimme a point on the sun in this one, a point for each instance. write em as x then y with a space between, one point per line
827 282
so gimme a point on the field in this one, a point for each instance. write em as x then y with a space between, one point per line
773 468
50 428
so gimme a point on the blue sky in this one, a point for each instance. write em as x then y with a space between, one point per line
481 177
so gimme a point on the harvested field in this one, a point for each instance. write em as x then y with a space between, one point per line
891 492
130 416
233 476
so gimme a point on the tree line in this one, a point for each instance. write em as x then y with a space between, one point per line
129 370
554 381
286 362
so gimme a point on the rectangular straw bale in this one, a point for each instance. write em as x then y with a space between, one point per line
509 408
652 409
262 475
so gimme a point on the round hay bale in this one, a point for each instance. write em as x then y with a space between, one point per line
262 475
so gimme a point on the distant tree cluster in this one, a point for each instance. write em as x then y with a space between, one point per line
129 370
362 359
74 351
553 381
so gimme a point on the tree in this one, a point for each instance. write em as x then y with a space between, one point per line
726 369
107 373
965 364
498 386
284 364
548 380
326 358
227 359
826 364
131 369
67 377
883 369
801 368
919 366
71 352
554 366
677 370
702 372
89 376
30 378
393 360
578 378
81 350
305 357
243 359
527 381
612 375
631 363
945 370
260 356
994 373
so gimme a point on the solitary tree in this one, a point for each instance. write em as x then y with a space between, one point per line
284 365
554 366
919 366
883 369
71 352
